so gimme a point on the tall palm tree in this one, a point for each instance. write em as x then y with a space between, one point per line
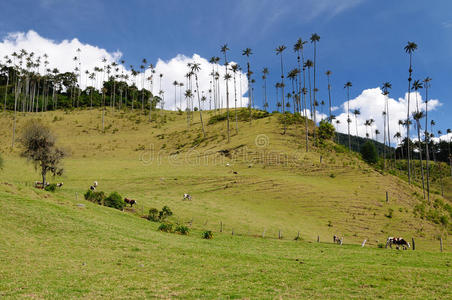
315 38
449 131
195 68
176 84
377 132
328 74
279 51
248 52
386 86
409 48
264 77
337 129
234 69
398 137
298 47
224 50
426 136
347 86
357 112
417 116
384 138
309 64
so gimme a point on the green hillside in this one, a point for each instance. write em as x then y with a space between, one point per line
81 249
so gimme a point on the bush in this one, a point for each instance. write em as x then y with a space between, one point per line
326 130
51 187
115 200
182 229
153 215
165 212
381 245
166 227
369 153
96 197
208 235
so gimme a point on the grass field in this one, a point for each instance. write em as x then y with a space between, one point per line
51 247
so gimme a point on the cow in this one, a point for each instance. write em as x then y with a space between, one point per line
130 201
40 185
398 242
187 197
59 184
235 172
337 240
94 186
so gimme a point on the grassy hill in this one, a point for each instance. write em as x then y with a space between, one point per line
279 187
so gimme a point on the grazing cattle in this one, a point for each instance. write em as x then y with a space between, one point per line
93 188
59 184
227 164
187 197
235 172
337 240
130 201
40 185
95 183
398 242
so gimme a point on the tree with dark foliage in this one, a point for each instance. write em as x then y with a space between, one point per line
39 143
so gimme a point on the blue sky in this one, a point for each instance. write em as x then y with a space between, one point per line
361 40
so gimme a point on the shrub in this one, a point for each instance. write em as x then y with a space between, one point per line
96 197
182 229
369 153
208 235
115 200
444 220
326 130
165 212
51 187
166 227
381 245
153 215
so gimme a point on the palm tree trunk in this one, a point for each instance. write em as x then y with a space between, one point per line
235 106
329 98
408 126
200 110
420 154
6 92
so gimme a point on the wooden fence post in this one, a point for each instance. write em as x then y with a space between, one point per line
263 233
221 226
387 197
412 241
441 244
279 234
364 243
76 196
298 236
318 239
232 233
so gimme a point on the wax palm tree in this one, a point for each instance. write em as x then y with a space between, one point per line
195 68
176 84
279 51
234 69
328 75
357 112
449 131
248 52
384 138
377 132
188 94
398 137
386 86
417 85
309 64
224 50
409 48
347 86
417 116
298 47
337 129
315 38
426 135
264 77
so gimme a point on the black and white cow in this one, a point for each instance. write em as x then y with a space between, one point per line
398 242
187 197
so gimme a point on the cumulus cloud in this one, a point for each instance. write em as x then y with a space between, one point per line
61 54
371 103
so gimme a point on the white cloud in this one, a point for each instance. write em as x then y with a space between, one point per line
371 104
61 54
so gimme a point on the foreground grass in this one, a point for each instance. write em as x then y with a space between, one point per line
52 248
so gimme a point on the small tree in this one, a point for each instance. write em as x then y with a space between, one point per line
369 153
39 143
165 212
326 130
